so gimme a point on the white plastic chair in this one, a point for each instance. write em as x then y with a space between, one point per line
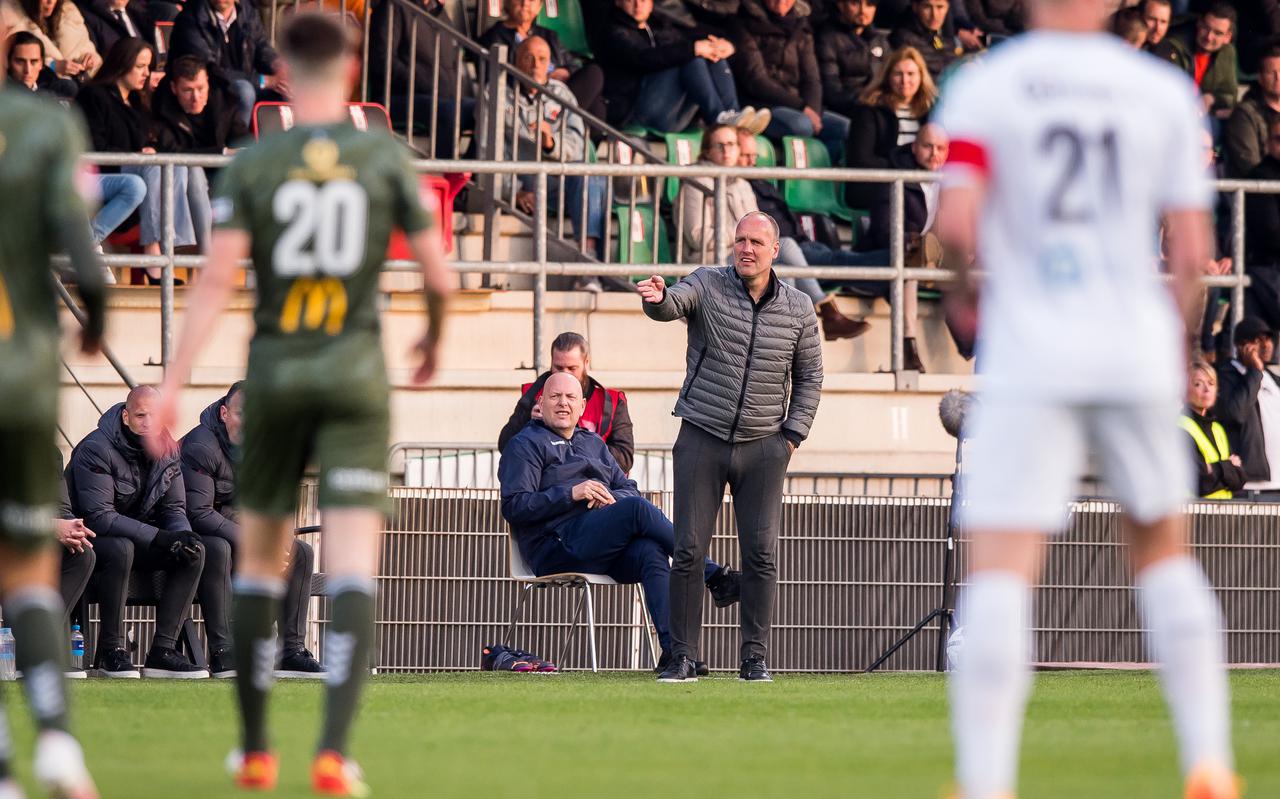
527 581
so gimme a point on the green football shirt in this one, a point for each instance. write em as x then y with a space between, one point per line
320 204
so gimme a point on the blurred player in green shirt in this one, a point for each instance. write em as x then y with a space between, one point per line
41 211
314 208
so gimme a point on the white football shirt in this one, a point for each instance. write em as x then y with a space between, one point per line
1082 143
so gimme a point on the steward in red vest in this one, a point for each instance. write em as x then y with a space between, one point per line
606 415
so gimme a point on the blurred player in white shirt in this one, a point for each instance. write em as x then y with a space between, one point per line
1067 150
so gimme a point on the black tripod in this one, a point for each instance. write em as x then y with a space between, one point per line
945 613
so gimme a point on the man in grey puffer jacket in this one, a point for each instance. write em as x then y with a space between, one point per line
753 380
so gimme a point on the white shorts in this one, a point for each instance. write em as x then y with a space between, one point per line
1025 459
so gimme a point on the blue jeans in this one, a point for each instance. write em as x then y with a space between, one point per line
791 253
121 196
790 122
596 189
632 542
662 102
151 219
246 98
819 254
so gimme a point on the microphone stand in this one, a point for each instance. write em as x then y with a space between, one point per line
945 612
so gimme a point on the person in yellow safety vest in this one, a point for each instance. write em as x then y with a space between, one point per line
1218 471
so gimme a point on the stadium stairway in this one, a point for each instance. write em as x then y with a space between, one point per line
863 423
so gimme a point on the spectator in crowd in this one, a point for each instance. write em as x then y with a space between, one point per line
572 509
78 557
777 67
137 507
1244 138
208 474
196 112
769 200
109 21
26 68
697 212
585 80
542 124
925 34
749 398
659 75
890 115
920 208
120 122
120 194
1257 31
850 54
1218 471
61 28
1130 25
1262 236
1158 14
605 413
391 30
997 17
1249 406
228 35
1207 55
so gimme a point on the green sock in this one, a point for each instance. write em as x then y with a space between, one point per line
41 656
347 646
254 609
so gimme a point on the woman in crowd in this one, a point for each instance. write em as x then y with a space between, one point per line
697 222
115 105
1218 472
60 26
893 108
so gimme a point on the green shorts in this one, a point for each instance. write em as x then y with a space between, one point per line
28 448
330 408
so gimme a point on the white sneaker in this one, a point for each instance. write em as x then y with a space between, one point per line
761 118
9 789
76 674
733 118
60 769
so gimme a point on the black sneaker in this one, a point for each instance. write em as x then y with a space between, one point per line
754 670
300 665
222 665
166 664
699 667
117 665
725 586
679 669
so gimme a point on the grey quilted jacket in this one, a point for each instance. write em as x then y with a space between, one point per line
751 370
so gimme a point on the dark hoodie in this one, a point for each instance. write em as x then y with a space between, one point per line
776 62
118 490
207 458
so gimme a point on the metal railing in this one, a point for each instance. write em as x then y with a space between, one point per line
896 273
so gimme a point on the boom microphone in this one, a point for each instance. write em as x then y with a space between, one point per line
953 409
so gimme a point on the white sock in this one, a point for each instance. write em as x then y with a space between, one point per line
990 686
1184 627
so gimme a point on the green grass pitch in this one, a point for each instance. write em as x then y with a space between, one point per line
1088 735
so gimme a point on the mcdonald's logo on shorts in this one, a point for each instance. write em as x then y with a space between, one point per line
313 302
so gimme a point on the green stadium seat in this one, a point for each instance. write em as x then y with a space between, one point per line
635 241
765 154
682 149
812 196
564 17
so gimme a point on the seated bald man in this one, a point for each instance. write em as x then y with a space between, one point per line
137 507
571 509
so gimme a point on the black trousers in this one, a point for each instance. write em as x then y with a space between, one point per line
214 593
77 568
117 557
754 472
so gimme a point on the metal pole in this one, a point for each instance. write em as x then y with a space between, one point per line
166 274
386 76
540 281
413 75
896 289
364 53
491 145
1237 259
80 317
722 214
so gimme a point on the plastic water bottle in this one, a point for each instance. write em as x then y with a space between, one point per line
77 648
8 666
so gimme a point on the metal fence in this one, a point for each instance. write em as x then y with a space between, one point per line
431 464
855 573
896 273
